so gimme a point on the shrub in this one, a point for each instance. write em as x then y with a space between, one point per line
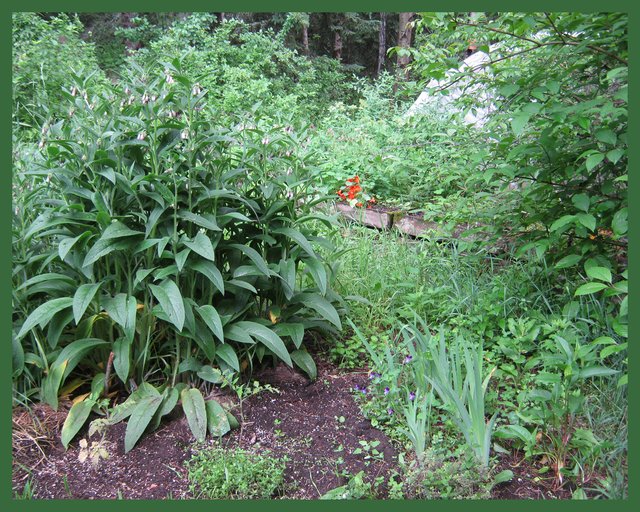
166 246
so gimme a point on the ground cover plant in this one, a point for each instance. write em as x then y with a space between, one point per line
193 317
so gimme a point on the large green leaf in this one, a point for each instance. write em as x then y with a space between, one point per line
217 420
319 273
293 331
195 411
321 305
210 374
589 288
123 410
43 314
202 245
212 319
211 272
121 359
56 325
620 224
77 417
82 298
118 230
253 255
122 310
207 220
267 337
236 333
305 362
140 418
66 361
103 247
298 238
226 353
171 302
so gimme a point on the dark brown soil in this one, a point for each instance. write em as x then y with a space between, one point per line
301 422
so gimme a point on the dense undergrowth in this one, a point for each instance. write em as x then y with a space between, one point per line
169 237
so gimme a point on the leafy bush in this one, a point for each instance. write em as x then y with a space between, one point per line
244 70
164 245
220 474
45 53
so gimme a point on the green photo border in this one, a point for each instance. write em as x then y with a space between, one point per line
285 6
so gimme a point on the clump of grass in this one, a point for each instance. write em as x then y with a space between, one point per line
218 473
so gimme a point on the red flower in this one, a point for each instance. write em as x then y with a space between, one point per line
358 205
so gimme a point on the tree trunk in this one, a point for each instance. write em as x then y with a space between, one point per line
382 42
337 46
404 41
305 38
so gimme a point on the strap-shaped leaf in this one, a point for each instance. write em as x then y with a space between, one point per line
140 418
66 361
103 247
57 324
170 300
217 420
293 331
201 244
211 317
298 238
321 305
211 272
236 333
43 314
254 256
268 338
122 310
118 230
210 374
195 411
82 298
305 362
319 273
226 353
121 359
206 220
76 418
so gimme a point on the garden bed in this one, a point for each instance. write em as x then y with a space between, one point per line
412 224
314 426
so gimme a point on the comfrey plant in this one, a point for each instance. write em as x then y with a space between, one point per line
161 249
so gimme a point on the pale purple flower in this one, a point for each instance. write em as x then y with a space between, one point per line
412 396
390 411
408 359
386 391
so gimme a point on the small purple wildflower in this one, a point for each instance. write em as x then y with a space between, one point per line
412 395
364 391
408 359
374 375
386 391
390 411
357 388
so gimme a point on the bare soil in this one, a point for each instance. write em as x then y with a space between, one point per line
301 422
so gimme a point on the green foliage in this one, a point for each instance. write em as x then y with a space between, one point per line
168 240
402 160
45 53
557 144
443 477
216 473
246 70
